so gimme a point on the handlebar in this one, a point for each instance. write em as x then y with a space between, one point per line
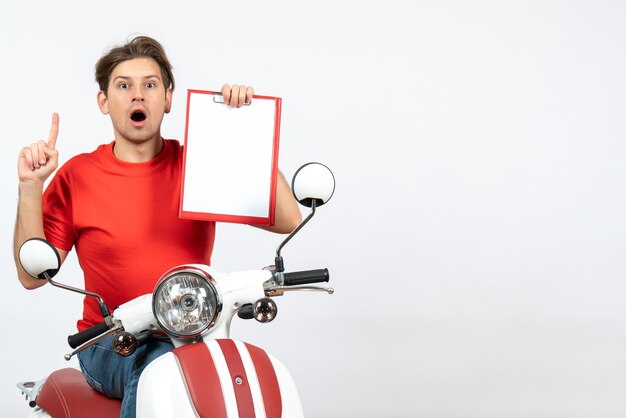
87 334
306 277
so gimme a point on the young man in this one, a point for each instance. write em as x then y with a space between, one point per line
118 206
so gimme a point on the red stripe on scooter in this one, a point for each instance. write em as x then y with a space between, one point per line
245 405
267 381
203 382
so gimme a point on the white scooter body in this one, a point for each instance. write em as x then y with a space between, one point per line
163 389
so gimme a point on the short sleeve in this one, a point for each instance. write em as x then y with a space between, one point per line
58 222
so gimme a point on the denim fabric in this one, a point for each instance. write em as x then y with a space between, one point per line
116 376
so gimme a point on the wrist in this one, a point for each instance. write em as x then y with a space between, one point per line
30 187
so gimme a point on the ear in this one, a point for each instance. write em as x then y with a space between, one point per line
103 102
168 100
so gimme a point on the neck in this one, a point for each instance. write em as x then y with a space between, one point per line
137 152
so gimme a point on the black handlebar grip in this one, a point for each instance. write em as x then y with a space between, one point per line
87 334
306 277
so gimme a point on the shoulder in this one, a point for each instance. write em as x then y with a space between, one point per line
173 144
173 148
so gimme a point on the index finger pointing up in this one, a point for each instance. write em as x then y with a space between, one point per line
54 131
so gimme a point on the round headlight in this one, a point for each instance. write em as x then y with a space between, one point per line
185 302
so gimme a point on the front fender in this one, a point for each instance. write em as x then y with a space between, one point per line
218 378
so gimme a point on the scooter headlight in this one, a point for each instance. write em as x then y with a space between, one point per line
185 302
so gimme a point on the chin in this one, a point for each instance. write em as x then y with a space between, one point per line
140 137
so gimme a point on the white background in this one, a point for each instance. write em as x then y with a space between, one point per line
477 235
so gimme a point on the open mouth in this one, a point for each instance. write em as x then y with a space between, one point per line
138 116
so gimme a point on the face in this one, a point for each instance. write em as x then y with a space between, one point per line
136 100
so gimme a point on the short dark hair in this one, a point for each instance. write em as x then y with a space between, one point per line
138 47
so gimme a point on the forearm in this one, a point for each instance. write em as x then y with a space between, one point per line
287 215
34 165
29 224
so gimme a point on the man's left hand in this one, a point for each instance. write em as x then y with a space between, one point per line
237 95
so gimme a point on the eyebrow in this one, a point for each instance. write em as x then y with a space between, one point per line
125 77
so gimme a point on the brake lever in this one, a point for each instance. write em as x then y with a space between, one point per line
93 341
279 290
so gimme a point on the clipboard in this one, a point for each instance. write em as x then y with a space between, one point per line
230 159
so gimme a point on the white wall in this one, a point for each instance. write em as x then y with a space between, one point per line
476 239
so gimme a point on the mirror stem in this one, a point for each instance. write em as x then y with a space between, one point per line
280 267
103 307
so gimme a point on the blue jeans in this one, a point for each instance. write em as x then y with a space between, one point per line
116 376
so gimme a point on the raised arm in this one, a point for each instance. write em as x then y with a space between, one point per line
35 164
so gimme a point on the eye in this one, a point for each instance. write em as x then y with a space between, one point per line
124 85
150 84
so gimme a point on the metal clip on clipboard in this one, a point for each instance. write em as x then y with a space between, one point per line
221 99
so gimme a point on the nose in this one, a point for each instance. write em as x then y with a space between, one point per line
138 94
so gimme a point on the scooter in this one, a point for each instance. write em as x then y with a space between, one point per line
208 374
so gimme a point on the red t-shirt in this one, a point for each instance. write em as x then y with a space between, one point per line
123 219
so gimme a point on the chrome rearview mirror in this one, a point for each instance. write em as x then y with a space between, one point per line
39 258
313 182
313 185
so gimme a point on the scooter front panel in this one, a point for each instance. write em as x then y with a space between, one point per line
259 364
291 405
223 379
161 392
